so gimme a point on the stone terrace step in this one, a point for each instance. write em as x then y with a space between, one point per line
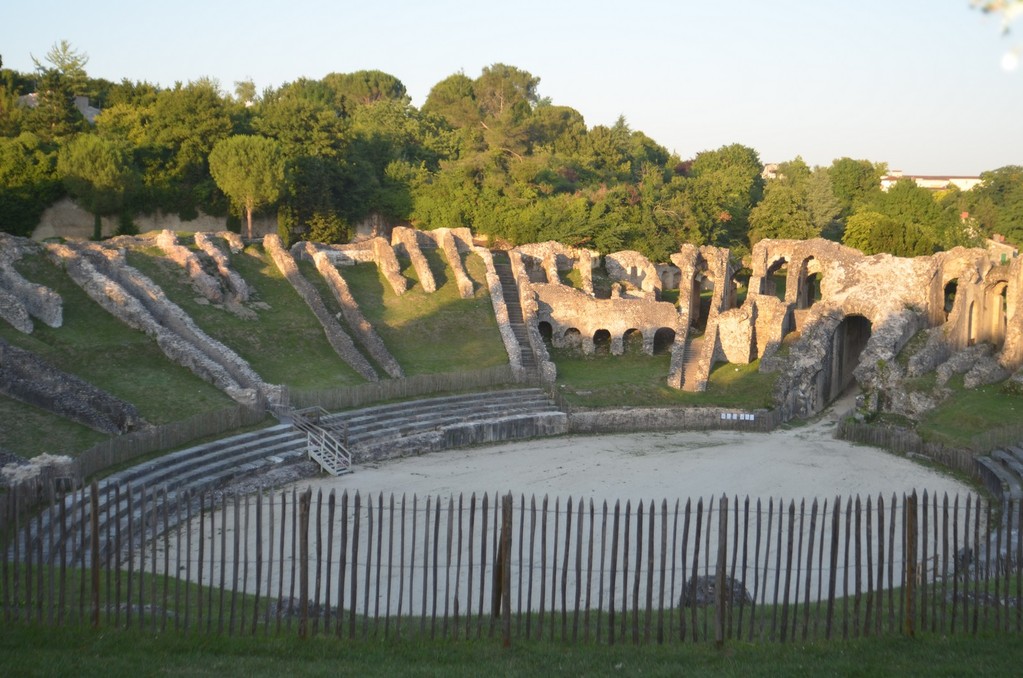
353 417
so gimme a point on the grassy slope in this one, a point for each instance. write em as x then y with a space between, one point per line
431 333
285 344
95 346
968 413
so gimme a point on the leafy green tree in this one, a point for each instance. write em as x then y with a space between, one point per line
723 187
874 233
854 182
28 182
363 88
249 170
55 116
997 202
97 172
920 216
69 62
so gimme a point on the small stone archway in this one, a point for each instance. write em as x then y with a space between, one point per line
546 331
572 338
808 290
739 286
774 281
847 344
994 317
664 339
602 342
949 293
632 342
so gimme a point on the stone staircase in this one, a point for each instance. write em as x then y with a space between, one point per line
691 364
143 490
421 426
146 496
1002 472
515 318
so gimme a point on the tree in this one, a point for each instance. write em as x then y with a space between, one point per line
854 182
97 172
69 62
998 202
249 170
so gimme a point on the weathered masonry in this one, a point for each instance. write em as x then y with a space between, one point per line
841 315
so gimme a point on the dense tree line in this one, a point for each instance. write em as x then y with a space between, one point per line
487 152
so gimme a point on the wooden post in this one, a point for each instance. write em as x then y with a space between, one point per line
908 620
94 550
303 562
505 567
721 597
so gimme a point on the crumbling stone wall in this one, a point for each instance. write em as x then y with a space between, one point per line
406 239
203 282
237 288
26 377
128 295
530 315
363 330
511 343
633 268
20 299
384 255
336 336
449 243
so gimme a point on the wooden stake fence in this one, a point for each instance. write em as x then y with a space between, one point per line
528 569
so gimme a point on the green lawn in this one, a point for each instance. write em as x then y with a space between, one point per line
284 345
641 380
98 348
32 651
969 413
431 333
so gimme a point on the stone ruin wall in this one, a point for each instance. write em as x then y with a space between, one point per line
20 299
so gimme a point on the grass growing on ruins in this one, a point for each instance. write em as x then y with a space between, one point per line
969 413
637 379
100 349
431 333
29 431
285 344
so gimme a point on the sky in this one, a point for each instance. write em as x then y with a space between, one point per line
917 84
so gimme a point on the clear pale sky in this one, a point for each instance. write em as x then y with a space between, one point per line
914 83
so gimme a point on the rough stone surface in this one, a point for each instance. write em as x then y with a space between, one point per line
138 302
406 239
26 377
388 263
237 288
511 343
363 330
636 270
204 283
20 299
336 336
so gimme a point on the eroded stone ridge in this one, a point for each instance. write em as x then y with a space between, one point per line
237 289
511 344
203 282
336 335
406 239
20 299
384 255
363 330
138 302
26 377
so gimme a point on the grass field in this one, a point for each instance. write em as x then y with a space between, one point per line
641 380
35 651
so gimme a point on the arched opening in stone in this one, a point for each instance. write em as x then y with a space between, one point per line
602 342
850 339
740 286
573 338
546 331
703 296
951 287
809 291
632 342
664 339
775 279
